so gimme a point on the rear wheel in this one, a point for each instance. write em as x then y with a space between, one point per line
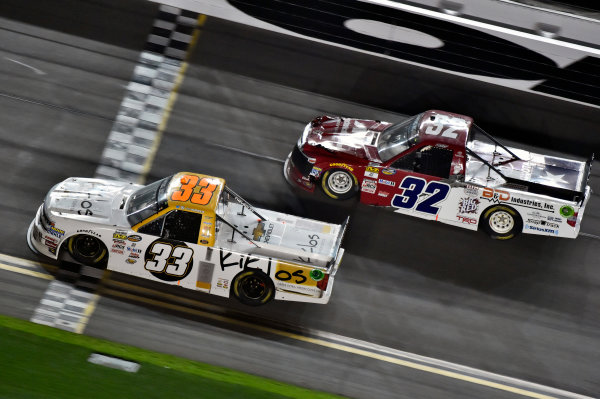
339 184
253 287
502 222
87 249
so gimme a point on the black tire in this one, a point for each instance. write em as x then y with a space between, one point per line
87 250
501 222
253 287
339 184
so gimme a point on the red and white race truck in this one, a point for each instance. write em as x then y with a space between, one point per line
441 166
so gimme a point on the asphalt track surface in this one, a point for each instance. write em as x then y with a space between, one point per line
527 308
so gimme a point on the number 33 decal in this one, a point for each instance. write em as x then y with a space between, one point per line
414 187
170 260
188 183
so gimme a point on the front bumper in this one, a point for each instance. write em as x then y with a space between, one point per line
39 241
294 175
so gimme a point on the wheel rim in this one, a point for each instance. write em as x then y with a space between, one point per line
87 246
253 287
502 222
339 182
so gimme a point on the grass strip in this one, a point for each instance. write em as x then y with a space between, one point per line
45 362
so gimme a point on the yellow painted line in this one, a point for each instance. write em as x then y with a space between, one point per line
340 347
26 271
87 313
167 112
26 262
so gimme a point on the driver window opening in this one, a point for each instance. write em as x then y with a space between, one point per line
175 225
429 160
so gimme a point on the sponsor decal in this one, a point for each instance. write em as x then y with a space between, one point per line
439 145
388 172
55 231
342 165
205 242
37 234
371 172
566 211
543 223
369 186
468 205
532 203
118 245
554 219
459 154
471 191
223 283
317 274
467 220
87 231
168 260
117 251
542 229
387 182
294 274
457 169
52 250
131 261
50 242
383 194
134 238
268 232
316 172
120 235
230 259
495 195
185 208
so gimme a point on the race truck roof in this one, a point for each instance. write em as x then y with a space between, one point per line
195 191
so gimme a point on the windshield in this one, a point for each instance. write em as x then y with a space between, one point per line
398 138
147 201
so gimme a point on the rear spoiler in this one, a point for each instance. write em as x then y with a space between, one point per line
338 243
588 170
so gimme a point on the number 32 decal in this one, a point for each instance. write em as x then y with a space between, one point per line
414 187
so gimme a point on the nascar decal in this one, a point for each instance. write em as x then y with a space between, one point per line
168 260
415 188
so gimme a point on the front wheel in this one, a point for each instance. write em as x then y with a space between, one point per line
339 184
502 222
87 249
253 287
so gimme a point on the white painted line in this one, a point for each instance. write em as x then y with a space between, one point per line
34 69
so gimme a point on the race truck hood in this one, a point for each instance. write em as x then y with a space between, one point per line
544 170
355 137
96 200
